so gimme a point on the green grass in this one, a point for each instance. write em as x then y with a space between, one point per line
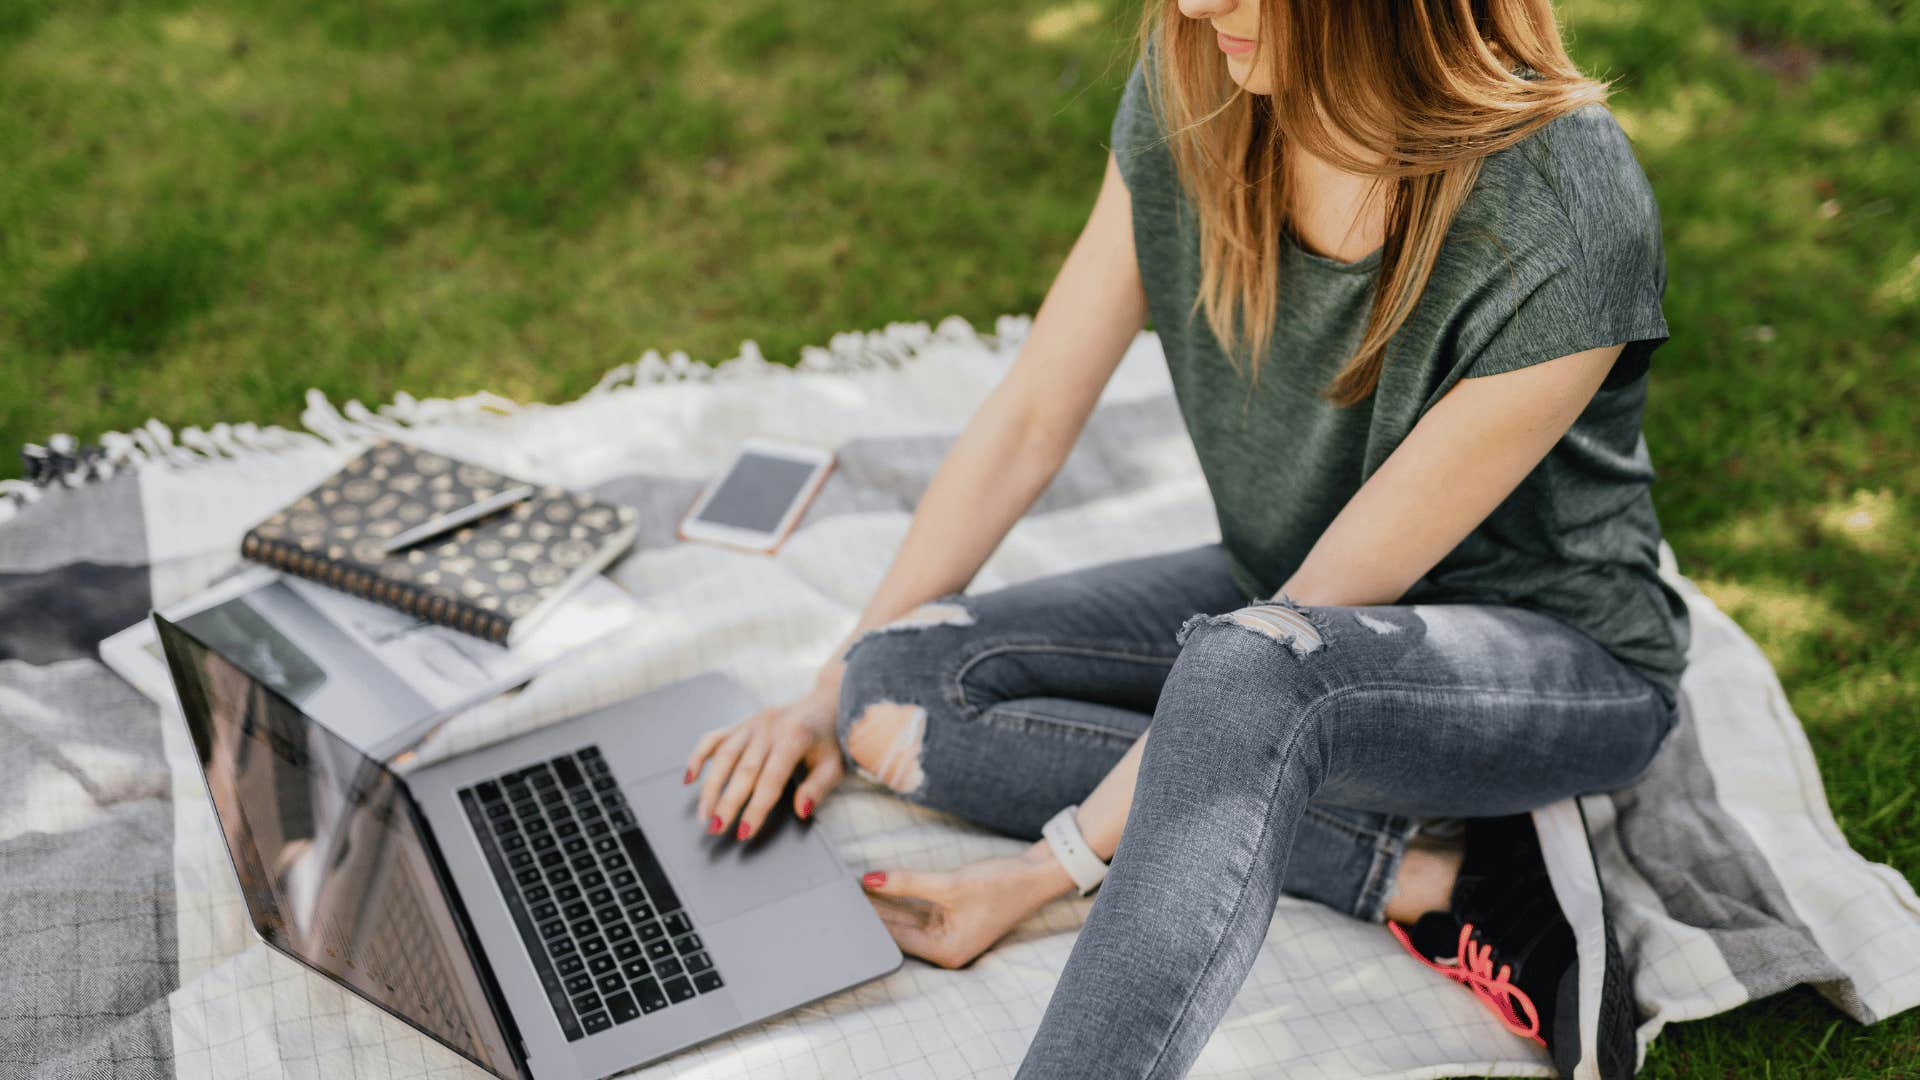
206 209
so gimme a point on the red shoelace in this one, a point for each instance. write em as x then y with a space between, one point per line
1472 966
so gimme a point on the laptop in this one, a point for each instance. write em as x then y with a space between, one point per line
546 907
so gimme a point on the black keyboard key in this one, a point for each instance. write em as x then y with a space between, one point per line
579 984
707 981
488 791
606 844
697 961
552 858
560 875
563 947
572 965
592 879
611 984
614 861
543 912
669 967
520 860
583 863
627 950
622 1008
587 1002
660 949
600 897
621 817
634 969
553 929
619 931
529 876
499 810
593 946
678 923
543 843
598 827
630 897
575 910
567 828
584 928
604 783
600 965
567 894
690 943
589 754
512 842
596 1023
679 989
569 772
623 880
537 894
574 846
651 999
651 931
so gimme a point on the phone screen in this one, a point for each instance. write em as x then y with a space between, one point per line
756 494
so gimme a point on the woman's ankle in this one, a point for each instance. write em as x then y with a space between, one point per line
1425 880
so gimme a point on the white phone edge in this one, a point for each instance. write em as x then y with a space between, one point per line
691 526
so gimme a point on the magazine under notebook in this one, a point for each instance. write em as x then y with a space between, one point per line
380 679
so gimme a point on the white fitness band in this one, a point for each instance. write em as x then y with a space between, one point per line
1082 865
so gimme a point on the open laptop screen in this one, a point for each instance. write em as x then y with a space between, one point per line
329 854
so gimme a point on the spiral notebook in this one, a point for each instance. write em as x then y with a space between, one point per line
495 577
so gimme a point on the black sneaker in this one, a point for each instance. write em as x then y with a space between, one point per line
1507 937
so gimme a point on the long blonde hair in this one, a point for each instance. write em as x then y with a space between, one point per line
1424 88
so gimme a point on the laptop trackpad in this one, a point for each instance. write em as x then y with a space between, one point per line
719 877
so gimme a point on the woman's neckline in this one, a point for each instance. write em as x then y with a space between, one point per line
1365 264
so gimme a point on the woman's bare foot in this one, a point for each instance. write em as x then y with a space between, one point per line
949 917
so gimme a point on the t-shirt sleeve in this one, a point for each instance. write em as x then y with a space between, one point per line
1583 266
1135 135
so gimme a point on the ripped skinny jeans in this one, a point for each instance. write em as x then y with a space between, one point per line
1294 750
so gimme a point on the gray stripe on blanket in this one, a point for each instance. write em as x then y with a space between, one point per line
1121 450
1709 873
88 952
64 612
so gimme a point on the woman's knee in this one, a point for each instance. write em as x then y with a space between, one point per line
891 681
1258 665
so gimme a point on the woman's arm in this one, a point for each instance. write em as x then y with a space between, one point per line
1461 459
1006 455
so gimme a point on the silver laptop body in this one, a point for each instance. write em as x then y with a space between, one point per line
414 894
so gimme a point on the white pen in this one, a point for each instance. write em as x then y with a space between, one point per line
453 519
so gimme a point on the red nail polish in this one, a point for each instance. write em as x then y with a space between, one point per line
689 777
743 831
874 879
806 807
716 824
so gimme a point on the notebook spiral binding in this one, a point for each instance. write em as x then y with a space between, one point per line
415 600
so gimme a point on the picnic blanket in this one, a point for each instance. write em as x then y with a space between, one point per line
125 951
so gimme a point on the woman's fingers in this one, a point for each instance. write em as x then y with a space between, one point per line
781 758
702 750
732 743
746 773
826 770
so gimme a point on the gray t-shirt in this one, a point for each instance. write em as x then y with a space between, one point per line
1556 250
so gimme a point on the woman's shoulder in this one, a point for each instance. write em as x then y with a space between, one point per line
1137 138
1573 184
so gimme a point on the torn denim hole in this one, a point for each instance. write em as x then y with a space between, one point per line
947 611
884 744
1281 619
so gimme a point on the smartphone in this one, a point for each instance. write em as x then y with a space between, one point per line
759 497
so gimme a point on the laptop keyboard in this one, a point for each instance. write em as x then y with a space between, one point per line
598 916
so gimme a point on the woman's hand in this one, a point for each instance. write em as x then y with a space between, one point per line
753 759
948 917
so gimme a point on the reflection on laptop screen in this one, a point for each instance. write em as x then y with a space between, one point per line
329 855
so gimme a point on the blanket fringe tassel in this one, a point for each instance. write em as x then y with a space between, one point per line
63 462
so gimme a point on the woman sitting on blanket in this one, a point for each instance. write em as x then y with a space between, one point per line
1407 274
